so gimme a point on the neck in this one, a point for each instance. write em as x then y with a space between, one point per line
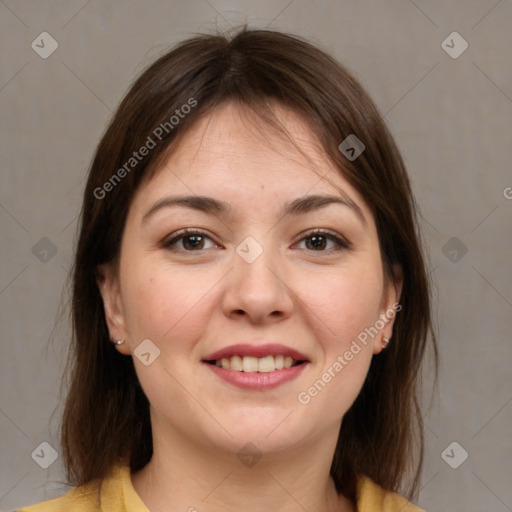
186 475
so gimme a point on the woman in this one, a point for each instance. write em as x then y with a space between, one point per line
250 301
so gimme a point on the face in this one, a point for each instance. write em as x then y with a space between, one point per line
261 319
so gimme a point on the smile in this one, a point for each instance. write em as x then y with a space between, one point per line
257 366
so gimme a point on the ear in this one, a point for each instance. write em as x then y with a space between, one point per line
389 307
108 284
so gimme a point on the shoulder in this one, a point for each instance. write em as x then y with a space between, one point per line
373 498
113 493
81 499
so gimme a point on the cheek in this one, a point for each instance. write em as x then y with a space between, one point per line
342 306
170 308
163 303
346 302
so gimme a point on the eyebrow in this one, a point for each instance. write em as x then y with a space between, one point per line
299 206
306 204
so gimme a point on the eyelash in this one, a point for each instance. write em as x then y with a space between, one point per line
180 235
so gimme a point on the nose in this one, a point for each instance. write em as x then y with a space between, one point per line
259 291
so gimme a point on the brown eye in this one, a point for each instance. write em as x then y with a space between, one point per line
189 241
193 242
318 241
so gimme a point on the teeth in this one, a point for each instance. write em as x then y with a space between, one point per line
236 363
266 364
252 364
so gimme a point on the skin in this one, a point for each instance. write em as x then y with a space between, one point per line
190 302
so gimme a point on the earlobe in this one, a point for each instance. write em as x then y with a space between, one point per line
108 285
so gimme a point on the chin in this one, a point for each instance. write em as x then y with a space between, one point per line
264 430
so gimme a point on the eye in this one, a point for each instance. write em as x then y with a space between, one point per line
188 240
319 240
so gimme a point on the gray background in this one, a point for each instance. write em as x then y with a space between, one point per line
452 119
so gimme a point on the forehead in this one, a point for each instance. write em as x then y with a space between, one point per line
232 153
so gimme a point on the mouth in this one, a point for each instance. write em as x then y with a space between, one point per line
257 367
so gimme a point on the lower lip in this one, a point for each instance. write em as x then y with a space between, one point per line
256 380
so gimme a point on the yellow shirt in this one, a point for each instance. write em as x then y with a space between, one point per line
116 494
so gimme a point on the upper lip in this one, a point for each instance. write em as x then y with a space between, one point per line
246 349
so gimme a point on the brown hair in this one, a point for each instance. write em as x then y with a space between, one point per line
106 415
